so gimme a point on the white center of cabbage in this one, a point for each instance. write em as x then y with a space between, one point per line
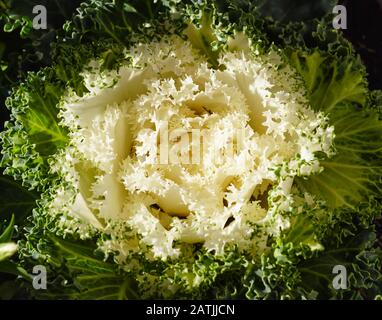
183 153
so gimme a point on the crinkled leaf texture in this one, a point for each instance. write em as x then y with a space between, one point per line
299 263
338 88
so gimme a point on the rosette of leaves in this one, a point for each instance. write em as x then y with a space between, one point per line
326 218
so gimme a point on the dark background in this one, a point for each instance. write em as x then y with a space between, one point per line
365 32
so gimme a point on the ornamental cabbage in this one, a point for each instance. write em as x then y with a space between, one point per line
197 150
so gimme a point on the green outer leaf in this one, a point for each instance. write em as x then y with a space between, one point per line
6 236
336 88
354 173
356 254
13 268
76 272
33 135
303 232
36 103
16 200
330 82
115 19
203 36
